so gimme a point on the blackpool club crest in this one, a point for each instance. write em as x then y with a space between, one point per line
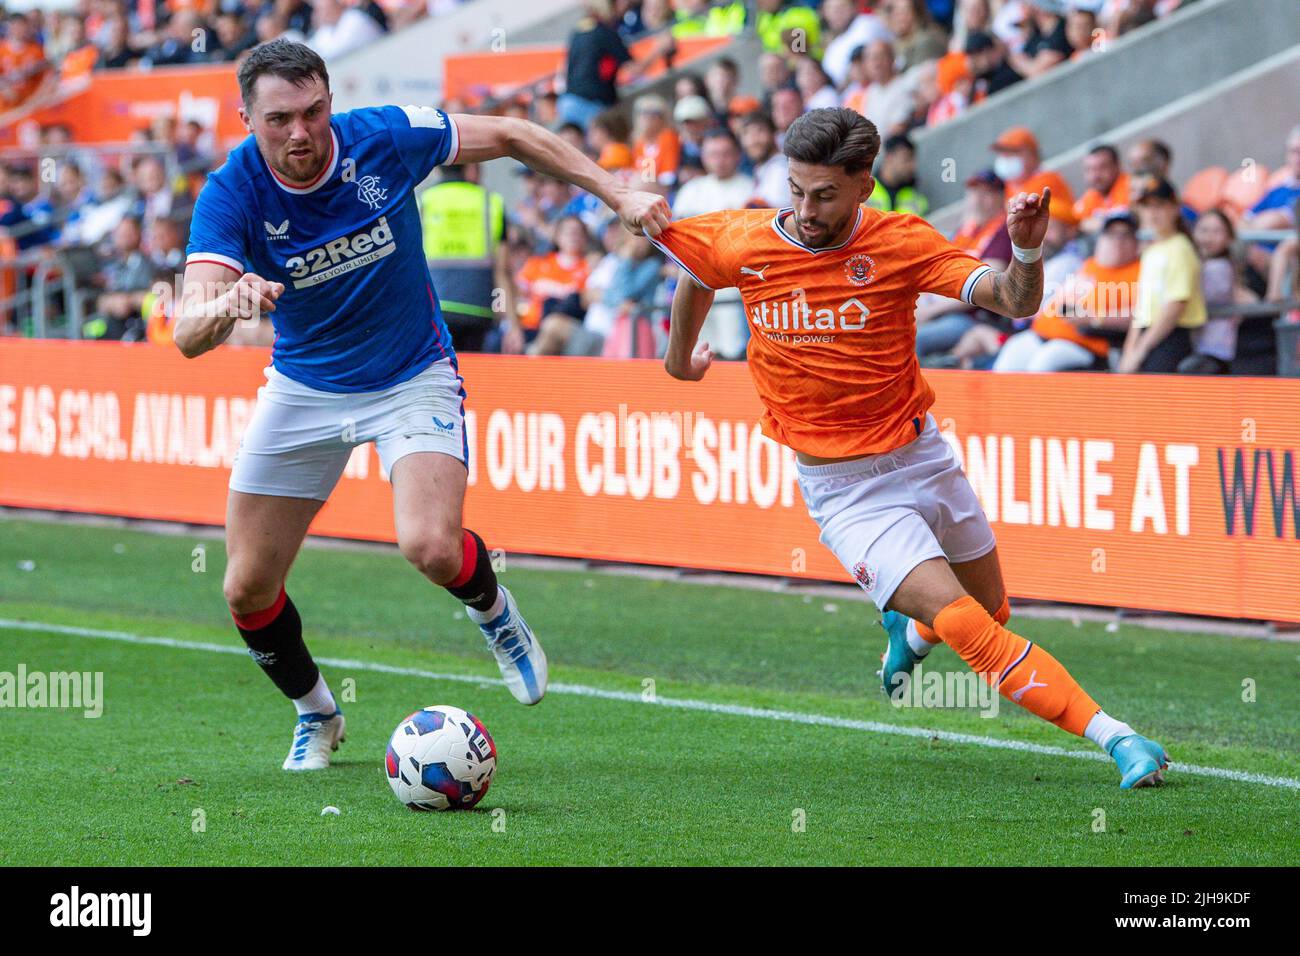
368 191
865 575
860 269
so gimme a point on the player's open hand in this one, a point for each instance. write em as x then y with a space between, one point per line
644 213
251 297
1027 218
693 370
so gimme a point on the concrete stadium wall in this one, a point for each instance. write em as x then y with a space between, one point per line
1141 73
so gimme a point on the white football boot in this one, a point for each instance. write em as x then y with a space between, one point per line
315 737
519 655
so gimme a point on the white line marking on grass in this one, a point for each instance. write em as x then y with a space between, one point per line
733 710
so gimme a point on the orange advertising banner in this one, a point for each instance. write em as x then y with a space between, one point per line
1158 492
112 105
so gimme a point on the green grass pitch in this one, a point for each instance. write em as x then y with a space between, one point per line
192 735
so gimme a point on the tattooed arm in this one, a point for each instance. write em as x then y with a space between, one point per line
1017 292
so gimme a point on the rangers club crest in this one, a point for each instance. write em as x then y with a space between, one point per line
860 269
368 191
865 575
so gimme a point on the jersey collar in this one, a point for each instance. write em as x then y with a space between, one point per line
776 227
320 180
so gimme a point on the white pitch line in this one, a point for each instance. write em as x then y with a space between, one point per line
733 710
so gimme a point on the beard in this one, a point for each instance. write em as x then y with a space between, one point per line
301 167
822 232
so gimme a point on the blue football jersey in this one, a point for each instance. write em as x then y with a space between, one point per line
358 312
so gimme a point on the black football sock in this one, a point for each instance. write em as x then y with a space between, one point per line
274 639
476 585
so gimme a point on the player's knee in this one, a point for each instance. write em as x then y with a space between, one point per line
437 556
245 594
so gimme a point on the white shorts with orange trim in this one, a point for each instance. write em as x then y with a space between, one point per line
882 515
300 438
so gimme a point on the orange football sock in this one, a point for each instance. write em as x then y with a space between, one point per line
1023 672
1002 615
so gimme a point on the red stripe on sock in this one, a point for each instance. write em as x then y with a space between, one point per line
257 620
468 561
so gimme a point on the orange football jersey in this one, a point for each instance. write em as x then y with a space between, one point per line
832 345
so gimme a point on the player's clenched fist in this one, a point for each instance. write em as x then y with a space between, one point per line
694 368
645 213
251 296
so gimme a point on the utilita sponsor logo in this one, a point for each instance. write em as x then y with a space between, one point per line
103 909
795 315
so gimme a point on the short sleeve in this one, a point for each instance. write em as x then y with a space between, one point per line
696 245
1182 275
426 137
940 266
217 229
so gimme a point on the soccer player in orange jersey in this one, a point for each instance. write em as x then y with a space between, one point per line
829 288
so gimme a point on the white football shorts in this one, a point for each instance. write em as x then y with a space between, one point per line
884 514
300 438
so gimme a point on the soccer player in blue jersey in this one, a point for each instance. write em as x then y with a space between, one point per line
313 220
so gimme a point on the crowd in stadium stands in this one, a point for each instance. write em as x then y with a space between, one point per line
1135 266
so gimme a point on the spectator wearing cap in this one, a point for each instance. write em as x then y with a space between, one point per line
895 189
987 59
656 148
917 38
887 100
1045 43
954 86
1107 191
592 67
786 27
941 322
1016 161
815 85
846 30
1070 331
1170 302
693 117
737 110
771 167
1063 257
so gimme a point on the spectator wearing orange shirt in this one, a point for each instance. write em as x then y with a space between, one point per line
552 285
656 148
1107 191
1017 163
1068 332
22 62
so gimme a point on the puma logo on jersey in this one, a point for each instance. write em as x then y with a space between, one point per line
277 232
747 271
342 255
1016 695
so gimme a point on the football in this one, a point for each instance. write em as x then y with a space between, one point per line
440 758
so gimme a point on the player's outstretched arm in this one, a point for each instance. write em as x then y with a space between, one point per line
684 359
493 137
213 299
1017 291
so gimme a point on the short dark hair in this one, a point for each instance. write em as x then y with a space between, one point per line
295 62
721 132
899 141
758 117
1108 150
833 137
